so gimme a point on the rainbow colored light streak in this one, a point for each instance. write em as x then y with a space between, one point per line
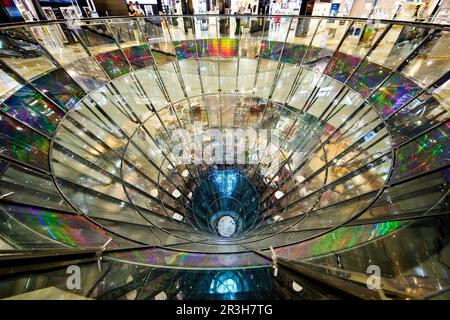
367 78
61 88
341 66
208 47
113 63
181 259
139 56
225 47
339 239
70 229
428 152
185 49
393 94
271 50
23 144
229 47
29 106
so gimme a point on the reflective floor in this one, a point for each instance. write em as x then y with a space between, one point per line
218 157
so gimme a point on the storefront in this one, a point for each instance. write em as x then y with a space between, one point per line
285 7
32 10
381 9
244 6
18 10
335 8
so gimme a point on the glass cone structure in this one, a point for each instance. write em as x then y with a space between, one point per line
185 158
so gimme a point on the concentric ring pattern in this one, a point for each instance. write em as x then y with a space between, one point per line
345 146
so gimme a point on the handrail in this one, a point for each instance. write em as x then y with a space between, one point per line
203 16
18 264
352 285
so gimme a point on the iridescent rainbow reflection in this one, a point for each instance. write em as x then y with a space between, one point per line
428 152
367 78
61 88
341 66
70 229
208 47
339 239
139 56
293 53
393 94
23 144
185 49
229 47
29 106
271 50
113 63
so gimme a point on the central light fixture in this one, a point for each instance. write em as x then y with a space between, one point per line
226 226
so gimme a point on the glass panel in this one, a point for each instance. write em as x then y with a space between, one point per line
247 75
20 143
96 37
413 198
302 31
228 75
87 73
152 28
69 229
27 186
21 237
60 42
163 52
393 94
397 44
404 256
185 49
229 48
208 48
364 180
205 27
130 96
427 110
293 53
265 78
330 216
361 37
426 153
271 50
139 56
149 81
127 32
171 81
339 239
29 106
429 62
342 66
324 43
209 72
367 78
23 54
307 83
190 71
61 88
8 82
113 63
97 205
157 256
